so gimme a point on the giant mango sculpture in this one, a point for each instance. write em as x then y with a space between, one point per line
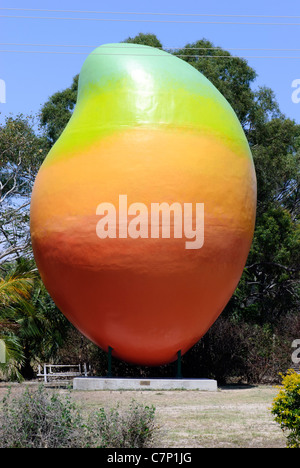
142 214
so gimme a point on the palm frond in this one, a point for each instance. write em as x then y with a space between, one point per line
14 357
15 288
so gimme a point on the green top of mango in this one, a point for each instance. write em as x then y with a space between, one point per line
124 86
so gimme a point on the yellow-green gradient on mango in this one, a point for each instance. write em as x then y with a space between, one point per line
149 126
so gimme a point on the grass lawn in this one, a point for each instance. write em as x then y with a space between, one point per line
233 417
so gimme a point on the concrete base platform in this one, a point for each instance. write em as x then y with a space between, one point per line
112 383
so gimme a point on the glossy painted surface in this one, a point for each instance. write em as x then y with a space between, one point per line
150 126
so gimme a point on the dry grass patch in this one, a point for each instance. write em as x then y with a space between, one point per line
231 417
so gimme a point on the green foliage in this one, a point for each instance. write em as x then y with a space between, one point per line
40 419
14 355
30 324
57 111
275 148
22 151
15 291
286 408
235 350
269 285
36 419
14 288
144 39
133 428
20 142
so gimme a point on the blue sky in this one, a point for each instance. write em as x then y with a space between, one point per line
30 78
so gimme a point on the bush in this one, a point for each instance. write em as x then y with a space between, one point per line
134 428
286 408
235 351
37 419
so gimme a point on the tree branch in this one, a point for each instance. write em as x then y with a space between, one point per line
272 264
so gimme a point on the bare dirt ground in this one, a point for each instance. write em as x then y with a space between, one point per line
232 417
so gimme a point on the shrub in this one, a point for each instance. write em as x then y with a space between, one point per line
286 408
235 351
134 428
38 420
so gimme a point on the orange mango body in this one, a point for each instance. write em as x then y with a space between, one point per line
146 298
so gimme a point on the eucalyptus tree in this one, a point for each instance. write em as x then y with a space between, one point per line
22 151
